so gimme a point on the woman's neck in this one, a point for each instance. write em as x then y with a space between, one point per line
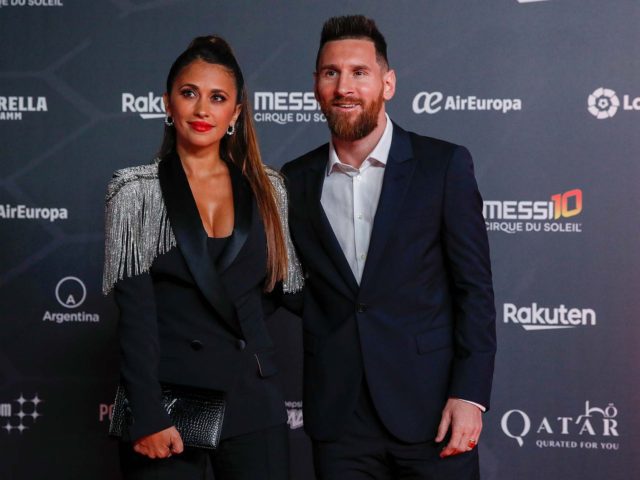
201 162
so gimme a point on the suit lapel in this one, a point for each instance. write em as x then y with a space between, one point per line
397 176
191 237
315 180
243 216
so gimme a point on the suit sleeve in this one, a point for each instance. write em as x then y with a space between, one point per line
140 354
466 250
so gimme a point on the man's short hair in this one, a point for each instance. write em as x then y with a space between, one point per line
356 27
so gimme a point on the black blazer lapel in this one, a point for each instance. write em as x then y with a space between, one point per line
191 237
315 180
397 175
243 216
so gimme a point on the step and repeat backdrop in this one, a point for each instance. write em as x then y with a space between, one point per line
545 94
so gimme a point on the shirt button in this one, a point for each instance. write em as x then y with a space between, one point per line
241 344
362 256
359 216
196 345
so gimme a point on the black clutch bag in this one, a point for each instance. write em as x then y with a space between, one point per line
196 414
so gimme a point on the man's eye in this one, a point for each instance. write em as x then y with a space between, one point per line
360 73
330 73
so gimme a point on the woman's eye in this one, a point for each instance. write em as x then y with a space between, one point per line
218 98
187 93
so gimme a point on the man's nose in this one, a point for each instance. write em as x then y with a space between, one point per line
344 86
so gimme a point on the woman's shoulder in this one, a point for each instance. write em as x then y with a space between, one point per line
132 178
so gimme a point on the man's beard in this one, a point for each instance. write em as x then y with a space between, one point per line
348 129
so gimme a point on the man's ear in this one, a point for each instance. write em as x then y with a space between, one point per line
389 84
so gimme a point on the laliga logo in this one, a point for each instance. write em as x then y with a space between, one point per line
71 292
603 103
520 426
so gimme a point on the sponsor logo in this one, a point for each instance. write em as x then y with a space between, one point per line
105 412
22 212
604 103
148 106
435 102
20 414
15 107
286 107
31 3
535 317
294 414
516 216
70 292
595 429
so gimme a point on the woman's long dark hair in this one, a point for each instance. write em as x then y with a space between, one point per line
241 149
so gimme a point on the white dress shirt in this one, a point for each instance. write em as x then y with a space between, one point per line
350 199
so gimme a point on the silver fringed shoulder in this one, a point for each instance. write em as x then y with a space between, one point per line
294 281
137 228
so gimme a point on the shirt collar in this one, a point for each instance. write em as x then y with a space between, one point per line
380 153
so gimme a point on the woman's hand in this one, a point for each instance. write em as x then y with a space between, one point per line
161 444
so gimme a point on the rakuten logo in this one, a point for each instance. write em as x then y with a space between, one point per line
148 106
535 317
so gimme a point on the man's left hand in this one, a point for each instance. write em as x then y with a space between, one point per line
465 421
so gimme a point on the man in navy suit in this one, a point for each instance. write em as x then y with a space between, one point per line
399 317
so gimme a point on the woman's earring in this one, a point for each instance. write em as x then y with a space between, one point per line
168 121
231 130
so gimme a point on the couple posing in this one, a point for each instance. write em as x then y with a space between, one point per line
396 296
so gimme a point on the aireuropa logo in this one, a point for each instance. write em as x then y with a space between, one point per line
20 413
604 103
14 107
148 106
435 102
517 216
535 317
22 212
70 292
294 414
592 430
286 107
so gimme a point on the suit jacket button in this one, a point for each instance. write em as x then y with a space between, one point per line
196 345
241 344
361 308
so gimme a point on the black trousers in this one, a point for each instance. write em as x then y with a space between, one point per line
366 450
261 455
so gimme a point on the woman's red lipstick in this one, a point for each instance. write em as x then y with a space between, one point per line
201 126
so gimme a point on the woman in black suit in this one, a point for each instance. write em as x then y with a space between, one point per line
193 242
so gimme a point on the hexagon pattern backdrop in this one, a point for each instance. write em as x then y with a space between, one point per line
545 94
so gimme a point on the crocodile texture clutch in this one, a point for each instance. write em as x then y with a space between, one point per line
196 414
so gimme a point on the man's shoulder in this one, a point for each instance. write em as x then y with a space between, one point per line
297 166
131 178
424 143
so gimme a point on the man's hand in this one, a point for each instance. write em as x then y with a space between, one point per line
465 421
160 444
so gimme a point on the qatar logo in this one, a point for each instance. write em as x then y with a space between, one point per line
71 292
594 429
20 414
603 103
